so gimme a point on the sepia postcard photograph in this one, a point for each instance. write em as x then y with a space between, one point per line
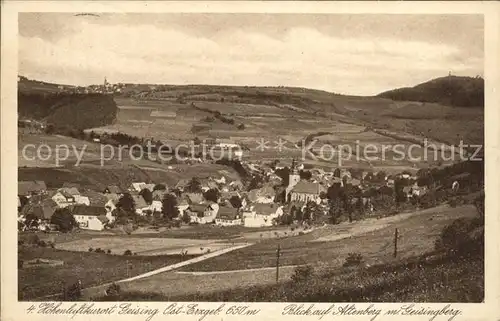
309 159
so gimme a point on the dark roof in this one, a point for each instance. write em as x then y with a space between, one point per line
197 208
88 210
227 213
28 187
264 209
65 194
182 183
43 210
95 198
114 189
70 190
103 219
139 201
195 198
308 187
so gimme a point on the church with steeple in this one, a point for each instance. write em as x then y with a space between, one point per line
302 190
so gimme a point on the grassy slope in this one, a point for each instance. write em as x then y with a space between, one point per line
90 268
418 233
443 279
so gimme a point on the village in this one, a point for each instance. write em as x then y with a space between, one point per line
284 193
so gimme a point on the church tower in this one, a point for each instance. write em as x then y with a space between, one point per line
293 179
294 176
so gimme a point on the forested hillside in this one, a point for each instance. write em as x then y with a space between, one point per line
450 91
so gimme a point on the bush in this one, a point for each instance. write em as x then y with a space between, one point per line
453 202
302 273
73 292
353 259
91 249
463 236
127 252
108 251
113 290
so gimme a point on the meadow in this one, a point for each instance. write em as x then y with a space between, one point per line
91 268
417 231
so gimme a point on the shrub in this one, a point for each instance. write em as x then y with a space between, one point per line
453 202
353 259
127 252
73 292
464 236
302 273
108 251
113 290
91 249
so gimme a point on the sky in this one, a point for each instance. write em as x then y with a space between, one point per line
357 54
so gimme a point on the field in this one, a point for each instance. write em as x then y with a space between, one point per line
145 245
90 268
185 122
254 266
417 234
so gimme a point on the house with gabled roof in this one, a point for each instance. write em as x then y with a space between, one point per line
63 198
203 213
29 188
259 215
113 189
265 195
90 217
228 216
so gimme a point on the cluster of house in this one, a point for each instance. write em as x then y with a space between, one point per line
255 208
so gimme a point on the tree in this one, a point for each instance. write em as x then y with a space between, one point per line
126 203
400 196
147 195
335 210
235 201
49 130
169 206
31 220
334 191
369 176
336 172
23 200
186 218
305 175
64 220
212 195
380 177
356 173
284 174
194 185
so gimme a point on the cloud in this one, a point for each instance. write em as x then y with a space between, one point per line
301 57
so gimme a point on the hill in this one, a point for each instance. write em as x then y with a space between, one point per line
64 109
450 91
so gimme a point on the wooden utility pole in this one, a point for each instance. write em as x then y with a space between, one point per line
278 263
395 242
